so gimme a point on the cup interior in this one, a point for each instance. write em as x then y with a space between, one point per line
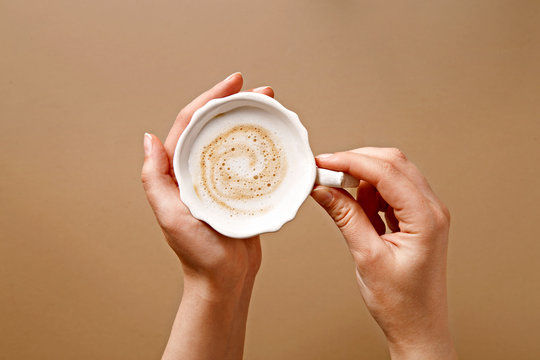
247 108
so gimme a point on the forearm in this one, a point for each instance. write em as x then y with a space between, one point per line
210 323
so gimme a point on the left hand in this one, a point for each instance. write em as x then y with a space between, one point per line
222 264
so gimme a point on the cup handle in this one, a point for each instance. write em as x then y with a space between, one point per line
335 179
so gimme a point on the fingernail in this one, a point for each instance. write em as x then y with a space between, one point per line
262 88
323 156
147 143
322 195
232 75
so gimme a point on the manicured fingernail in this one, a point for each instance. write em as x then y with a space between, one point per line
322 195
147 143
323 156
232 75
262 88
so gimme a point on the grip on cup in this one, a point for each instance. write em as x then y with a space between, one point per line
335 179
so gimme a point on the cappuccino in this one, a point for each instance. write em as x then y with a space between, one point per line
244 165
240 162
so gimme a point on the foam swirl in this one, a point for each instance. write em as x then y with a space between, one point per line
240 167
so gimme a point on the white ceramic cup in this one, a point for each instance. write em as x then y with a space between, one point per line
299 156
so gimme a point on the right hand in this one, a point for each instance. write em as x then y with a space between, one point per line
402 274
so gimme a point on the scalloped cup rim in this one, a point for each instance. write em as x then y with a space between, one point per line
188 196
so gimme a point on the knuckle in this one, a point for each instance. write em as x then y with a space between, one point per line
172 221
167 223
342 215
441 216
147 176
396 155
364 256
145 179
367 257
446 212
389 168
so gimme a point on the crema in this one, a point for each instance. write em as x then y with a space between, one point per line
239 165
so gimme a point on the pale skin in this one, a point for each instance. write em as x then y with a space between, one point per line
401 274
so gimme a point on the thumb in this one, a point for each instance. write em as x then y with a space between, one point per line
349 217
160 187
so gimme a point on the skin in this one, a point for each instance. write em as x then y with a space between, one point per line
218 271
401 273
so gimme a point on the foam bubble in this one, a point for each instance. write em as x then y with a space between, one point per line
262 206
237 172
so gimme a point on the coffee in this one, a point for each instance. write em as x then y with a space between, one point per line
239 162
244 165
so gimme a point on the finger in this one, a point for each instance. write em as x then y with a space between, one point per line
400 161
160 188
397 158
395 188
366 196
265 90
391 220
350 218
231 85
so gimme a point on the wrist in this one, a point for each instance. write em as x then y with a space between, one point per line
211 319
438 344
216 289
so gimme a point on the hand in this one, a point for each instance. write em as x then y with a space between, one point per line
401 274
218 271
204 253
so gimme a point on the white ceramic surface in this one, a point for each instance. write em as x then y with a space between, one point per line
303 183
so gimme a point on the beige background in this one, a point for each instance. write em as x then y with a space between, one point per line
85 273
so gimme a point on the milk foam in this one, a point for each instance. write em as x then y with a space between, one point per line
241 162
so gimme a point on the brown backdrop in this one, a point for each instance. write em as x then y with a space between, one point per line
85 273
